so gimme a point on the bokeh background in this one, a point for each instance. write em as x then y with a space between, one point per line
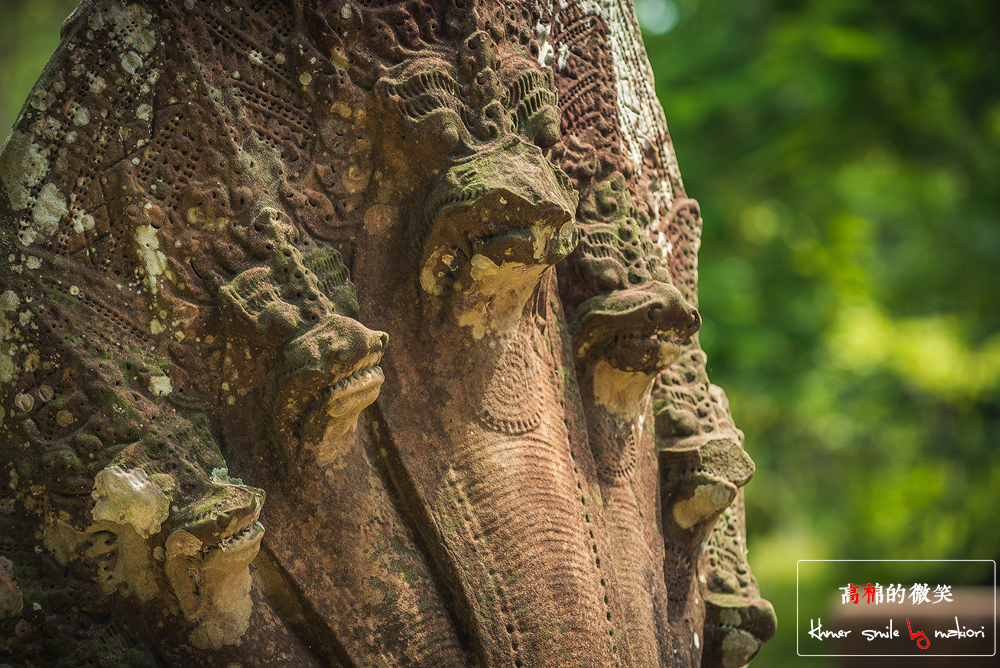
846 154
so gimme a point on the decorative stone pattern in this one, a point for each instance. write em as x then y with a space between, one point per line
359 333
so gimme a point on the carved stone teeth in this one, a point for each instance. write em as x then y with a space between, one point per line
357 378
368 361
231 541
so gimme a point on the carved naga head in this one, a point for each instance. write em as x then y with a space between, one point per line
627 319
494 211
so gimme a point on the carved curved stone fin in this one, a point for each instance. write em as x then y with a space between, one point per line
737 620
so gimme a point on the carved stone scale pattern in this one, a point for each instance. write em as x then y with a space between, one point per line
359 333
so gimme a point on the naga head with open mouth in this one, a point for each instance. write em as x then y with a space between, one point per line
332 375
496 217
636 330
627 320
495 211
327 369
208 555
621 341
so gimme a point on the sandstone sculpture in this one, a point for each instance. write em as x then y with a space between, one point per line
216 216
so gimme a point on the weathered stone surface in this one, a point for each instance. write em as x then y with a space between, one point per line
343 333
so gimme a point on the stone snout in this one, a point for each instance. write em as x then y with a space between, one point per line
210 543
208 557
494 223
300 312
333 374
701 479
621 340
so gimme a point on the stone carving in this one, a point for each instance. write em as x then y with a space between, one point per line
215 217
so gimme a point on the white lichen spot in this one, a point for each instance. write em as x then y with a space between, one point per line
144 41
131 62
82 221
49 209
9 301
155 327
27 236
23 165
544 46
279 58
738 647
38 101
346 10
74 290
256 57
730 617
95 20
567 230
149 249
144 112
160 385
97 84
563 56
81 116
25 402
128 497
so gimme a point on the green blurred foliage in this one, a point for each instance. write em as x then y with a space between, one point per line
845 153
29 33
